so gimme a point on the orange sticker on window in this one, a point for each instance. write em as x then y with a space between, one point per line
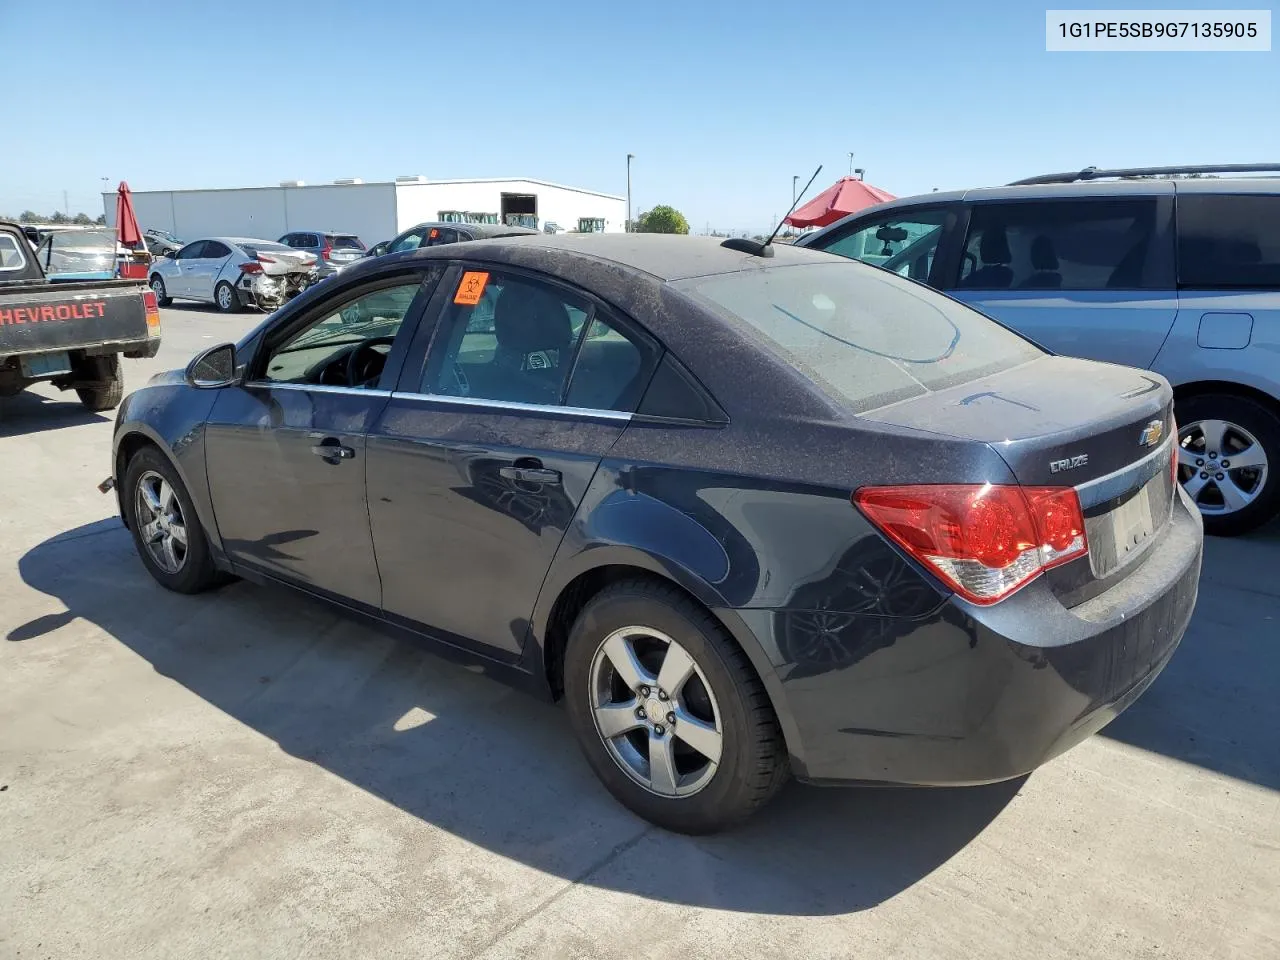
471 287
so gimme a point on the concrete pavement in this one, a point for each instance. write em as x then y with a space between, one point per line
244 774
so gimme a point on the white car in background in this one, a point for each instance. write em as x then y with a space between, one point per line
233 272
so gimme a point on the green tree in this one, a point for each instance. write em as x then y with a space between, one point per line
83 219
102 220
59 217
662 219
30 216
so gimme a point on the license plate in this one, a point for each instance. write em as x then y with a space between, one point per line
1122 534
45 364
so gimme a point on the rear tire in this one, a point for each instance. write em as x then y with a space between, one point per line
162 296
1212 427
719 694
109 389
192 569
225 298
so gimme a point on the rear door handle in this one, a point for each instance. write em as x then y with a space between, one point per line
530 474
333 450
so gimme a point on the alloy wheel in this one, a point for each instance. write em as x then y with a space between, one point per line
161 524
224 297
655 711
1221 465
157 287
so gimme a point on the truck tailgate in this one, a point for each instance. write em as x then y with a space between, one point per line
42 317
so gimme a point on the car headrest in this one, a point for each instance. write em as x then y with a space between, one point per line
527 319
995 245
1043 256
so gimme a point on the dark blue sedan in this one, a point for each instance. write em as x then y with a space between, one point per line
749 516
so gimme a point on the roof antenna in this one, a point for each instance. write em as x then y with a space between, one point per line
755 247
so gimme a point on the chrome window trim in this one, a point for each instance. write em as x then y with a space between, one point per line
616 416
316 388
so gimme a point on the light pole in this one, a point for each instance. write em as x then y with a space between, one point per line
851 163
794 180
630 157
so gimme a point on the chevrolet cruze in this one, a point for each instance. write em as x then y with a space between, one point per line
750 513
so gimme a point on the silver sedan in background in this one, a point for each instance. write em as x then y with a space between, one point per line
233 272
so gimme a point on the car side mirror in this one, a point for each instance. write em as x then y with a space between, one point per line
214 368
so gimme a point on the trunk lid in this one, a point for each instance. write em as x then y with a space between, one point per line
277 263
1103 429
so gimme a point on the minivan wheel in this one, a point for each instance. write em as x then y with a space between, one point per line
1228 461
226 298
668 710
166 530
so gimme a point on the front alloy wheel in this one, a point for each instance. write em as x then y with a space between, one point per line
655 712
162 527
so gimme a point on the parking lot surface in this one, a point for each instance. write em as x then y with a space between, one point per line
246 774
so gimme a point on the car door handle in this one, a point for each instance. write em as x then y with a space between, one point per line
530 474
332 450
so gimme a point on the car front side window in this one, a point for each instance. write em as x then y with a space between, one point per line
904 242
346 345
410 241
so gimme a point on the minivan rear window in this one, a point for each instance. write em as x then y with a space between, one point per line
865 336
1229 241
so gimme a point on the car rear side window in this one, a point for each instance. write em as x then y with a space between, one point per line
347 243
866 337
1060 245
11 253
213 250
1228 241
515 339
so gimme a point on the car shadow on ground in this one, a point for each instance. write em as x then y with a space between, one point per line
485 763
34 413
1216 705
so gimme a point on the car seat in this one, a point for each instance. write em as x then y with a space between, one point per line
995 272
1044 261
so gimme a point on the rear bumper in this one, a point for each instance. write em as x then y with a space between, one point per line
967 695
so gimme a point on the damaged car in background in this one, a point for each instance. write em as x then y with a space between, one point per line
233 272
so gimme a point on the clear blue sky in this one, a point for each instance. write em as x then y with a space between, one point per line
721 103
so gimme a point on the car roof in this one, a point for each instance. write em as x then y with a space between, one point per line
664 256
1058 191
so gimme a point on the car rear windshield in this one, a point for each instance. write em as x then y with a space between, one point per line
347 243
865 336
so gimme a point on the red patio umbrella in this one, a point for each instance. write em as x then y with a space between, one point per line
847 195
127 231
128 235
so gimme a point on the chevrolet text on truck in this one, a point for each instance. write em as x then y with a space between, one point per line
70 333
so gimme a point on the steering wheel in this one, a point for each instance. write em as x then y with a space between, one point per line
364 364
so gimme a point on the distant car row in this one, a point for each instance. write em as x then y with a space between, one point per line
236 272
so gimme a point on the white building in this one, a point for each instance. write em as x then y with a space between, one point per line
372 211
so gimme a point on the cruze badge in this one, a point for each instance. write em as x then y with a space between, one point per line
1151 433
1070 463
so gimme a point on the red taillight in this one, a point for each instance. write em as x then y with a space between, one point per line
151 308
984 540
325 253
251 266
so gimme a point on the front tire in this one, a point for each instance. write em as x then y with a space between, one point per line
226 298
668 710
1229 461
158 288
166 529
108 383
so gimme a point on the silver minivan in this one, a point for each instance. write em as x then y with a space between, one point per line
1177 275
